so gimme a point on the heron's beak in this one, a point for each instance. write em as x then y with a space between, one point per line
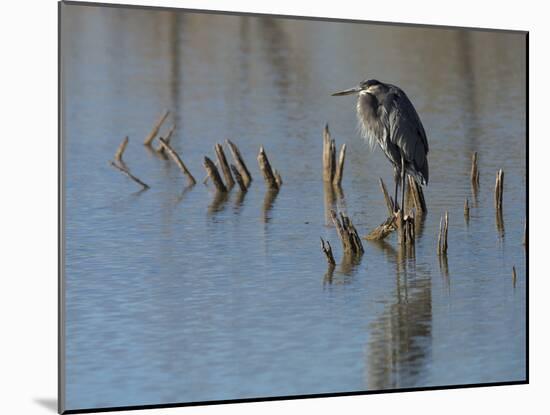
347 91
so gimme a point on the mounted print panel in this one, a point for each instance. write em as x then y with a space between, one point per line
260 207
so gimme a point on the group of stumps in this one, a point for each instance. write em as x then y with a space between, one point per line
333 170
404 224
234 173
396 220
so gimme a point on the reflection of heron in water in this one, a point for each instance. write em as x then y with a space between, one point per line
387 116
399 346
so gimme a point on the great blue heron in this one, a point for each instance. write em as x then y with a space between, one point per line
387 116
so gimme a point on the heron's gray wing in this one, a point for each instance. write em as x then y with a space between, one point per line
405 130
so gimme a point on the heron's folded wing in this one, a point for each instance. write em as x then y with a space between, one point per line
406 131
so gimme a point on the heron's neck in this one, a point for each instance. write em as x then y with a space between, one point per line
367 107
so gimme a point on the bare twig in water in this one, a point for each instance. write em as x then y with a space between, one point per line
514 276
149 139
214 175
238 178
175 156
327 249
168 138
443 232
239 163
120 150
339 173
347 233
267 171
222 162
125 171
474 172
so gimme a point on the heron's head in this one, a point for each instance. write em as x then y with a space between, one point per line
371 86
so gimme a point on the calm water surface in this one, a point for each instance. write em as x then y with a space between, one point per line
176 295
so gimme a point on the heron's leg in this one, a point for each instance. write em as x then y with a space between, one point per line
396 181
403 185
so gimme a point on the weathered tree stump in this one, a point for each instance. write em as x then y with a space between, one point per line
268 173
222 162
239 163
214 175
168 138
120 150
126 172
149 139
177 159
327 250
443 232
239 179
474 172
351 243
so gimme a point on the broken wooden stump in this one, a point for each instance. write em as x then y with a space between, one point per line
443 232
408 230
499 189
383 230
327 250
268 173
405 228
339 173
149 139
390 224
278 178
239 163
333 170
177 159
238 178
351 243
120 150
122 167
474 171
126 172
168 138
329 156
222 162
214 175
416 196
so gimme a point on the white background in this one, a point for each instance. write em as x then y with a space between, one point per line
28 194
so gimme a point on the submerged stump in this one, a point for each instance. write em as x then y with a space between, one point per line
239 163
272 178
149 139
351 243
177 159
214 175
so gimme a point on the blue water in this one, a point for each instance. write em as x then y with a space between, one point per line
176 295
